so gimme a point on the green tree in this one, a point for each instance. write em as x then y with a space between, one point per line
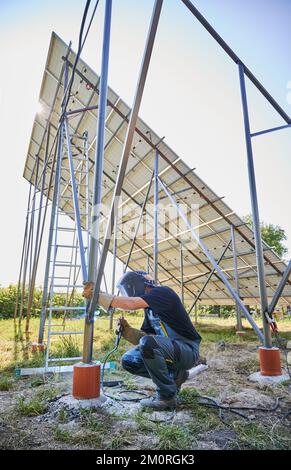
273 235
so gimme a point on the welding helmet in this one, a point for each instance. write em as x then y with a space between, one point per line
133 284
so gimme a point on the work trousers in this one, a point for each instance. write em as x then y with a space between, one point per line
161 359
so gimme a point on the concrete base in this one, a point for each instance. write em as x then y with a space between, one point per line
86 381
268 379
69 401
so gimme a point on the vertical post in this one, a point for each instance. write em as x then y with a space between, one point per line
97 187
255 210
114 253
196 314
237 307
88 337
182 273
38 238
156 202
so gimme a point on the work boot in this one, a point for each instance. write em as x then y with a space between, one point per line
181 378
159 403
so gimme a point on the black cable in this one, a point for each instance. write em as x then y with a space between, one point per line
81 44
114 397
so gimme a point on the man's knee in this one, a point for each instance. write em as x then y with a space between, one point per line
147 345
130 363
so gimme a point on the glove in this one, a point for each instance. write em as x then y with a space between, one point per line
128 333
104 300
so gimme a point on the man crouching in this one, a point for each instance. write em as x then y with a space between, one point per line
166 346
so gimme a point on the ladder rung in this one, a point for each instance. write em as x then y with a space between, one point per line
66 229
61 359
67 265
66 308
76 286
59 277
55 333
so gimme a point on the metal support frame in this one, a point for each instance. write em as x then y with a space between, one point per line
255 211
97 188
208 278
75 201
182 273
156 202
214 264
88 337
114 256
279 289
95 275
236 276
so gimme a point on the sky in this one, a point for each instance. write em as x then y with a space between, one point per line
191 95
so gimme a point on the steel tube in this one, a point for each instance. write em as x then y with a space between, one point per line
156 202
255 210
279 289
123 164
214 264
236 59
237 308
97 188
208 278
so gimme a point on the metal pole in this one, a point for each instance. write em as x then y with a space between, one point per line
235 58
97 188
214 264
238 313
156 202
208 278
38 230
182 272
114 254
255 211
88 337
280 288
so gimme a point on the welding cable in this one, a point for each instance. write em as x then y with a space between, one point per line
118 397
237 410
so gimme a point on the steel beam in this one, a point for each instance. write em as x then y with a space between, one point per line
255 210
214 264
236 59
279 289
208 278
97 188
237 307
87 352
156 202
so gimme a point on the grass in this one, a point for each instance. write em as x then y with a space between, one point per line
6 383
257 436
173 437
203 419
15 352
33 407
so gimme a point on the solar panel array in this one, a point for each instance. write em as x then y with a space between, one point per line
213 220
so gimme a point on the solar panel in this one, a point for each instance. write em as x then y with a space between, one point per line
215 217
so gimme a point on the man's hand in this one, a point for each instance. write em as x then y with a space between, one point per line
128 333
104 300
88 290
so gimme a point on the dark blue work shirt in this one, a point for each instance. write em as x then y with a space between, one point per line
166 315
